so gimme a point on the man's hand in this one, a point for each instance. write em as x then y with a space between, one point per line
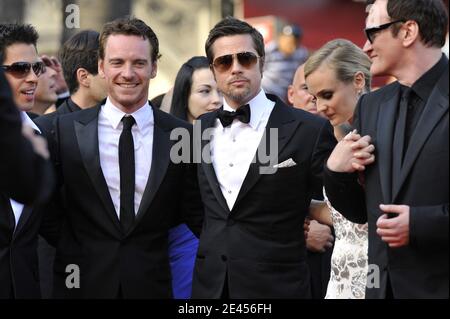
38 142
352 153
52 62
319 237
394 231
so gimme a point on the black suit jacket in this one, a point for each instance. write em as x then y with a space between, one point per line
88 234
419 270
46 252
24 175
19 271
259 246
46 122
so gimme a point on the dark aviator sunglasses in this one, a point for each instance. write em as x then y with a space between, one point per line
21 69
224 62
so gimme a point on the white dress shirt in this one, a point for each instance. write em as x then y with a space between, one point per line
109 129
234 147
16 206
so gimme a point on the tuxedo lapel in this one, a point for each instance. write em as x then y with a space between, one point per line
435 109
7 218
160 161
207 123
86 130
285 124
26 213
385 132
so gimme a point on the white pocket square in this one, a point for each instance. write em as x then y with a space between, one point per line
287 163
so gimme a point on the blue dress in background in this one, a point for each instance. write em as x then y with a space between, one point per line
182 252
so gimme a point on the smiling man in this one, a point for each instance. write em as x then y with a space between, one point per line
19 224
121 191
405 197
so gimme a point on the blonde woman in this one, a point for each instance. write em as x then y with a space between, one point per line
337 75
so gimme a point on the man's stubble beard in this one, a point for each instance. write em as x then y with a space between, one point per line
239 97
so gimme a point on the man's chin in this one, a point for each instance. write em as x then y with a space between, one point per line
25 107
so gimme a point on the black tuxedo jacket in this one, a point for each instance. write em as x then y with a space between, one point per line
259 246
46 122
19 271
88 233
24 175
419 270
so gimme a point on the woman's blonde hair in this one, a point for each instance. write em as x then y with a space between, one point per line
345 58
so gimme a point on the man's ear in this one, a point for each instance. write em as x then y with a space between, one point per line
154 70
409 32
101 72
261 65
290 94
83 78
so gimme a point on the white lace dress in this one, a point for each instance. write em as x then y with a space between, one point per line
349 260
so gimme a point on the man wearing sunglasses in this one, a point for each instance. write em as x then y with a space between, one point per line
252 243
405 198
21 223
22 164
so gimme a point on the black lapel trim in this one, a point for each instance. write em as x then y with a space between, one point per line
207 122
385 136
86 130
26 213
285 123
160 162
435 109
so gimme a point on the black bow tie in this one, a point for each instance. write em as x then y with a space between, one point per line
242 114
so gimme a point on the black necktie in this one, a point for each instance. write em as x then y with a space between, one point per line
400 128
227 117
399 135
126 165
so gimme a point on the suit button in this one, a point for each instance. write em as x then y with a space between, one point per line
223 257
230 222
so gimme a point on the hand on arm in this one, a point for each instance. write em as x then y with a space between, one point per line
353 153
319 237
319 211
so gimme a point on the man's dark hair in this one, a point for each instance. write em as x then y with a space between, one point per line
430 15
12 33
129 26
232 26
79 51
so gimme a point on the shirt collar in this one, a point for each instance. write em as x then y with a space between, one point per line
27 120
259 105
143 116
73 107
425 84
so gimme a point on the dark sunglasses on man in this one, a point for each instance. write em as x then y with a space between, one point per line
246 59
371 32
21 69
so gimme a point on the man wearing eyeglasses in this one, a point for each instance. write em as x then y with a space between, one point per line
252 243
19 223
406 184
